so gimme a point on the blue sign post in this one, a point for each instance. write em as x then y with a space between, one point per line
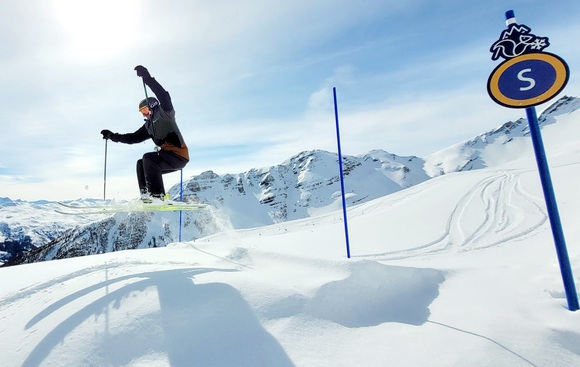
527 78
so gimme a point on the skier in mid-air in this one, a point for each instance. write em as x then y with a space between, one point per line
171 152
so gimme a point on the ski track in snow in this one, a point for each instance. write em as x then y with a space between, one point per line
495 208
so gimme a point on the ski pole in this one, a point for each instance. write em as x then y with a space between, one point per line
105 174
145 89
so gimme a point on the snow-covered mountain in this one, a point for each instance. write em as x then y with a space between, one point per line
489 149
305 185
28 225
301 186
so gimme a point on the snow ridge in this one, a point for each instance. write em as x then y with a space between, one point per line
470 154
305 184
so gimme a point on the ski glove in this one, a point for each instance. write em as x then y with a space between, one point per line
108 134
142 72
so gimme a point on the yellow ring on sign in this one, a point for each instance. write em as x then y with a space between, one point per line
556 62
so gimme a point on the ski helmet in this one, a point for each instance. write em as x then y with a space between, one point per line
150 102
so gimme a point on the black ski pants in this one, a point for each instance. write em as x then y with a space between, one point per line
151 168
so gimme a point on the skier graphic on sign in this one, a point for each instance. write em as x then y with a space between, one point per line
517 40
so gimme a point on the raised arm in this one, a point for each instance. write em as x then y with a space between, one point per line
161 94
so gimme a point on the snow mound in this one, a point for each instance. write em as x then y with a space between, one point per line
171 311
374 294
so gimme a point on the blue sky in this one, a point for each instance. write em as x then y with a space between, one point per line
251 81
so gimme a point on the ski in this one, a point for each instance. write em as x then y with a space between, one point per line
127 208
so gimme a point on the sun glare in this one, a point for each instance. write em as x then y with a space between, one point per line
99 29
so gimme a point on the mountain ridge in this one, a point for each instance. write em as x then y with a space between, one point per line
304 185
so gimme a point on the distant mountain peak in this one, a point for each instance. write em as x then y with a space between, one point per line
562 106
302 184
468 155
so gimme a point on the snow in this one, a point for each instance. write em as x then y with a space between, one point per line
459 270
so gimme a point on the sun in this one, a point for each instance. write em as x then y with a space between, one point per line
99 29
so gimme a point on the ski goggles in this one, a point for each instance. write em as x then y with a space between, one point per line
144 110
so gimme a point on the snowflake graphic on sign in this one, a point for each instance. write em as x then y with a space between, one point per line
517 40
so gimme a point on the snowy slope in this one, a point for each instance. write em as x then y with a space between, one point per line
303 186
459 270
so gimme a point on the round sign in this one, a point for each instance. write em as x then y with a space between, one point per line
528 80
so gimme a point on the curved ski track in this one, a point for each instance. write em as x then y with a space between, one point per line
493 211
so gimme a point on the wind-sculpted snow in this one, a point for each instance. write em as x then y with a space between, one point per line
401 294
142 312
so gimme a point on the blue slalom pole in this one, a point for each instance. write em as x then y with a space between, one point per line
552 207
341 174
180 199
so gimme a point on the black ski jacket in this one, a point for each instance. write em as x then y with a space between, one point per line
160 126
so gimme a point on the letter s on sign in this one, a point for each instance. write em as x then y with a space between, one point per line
528 80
